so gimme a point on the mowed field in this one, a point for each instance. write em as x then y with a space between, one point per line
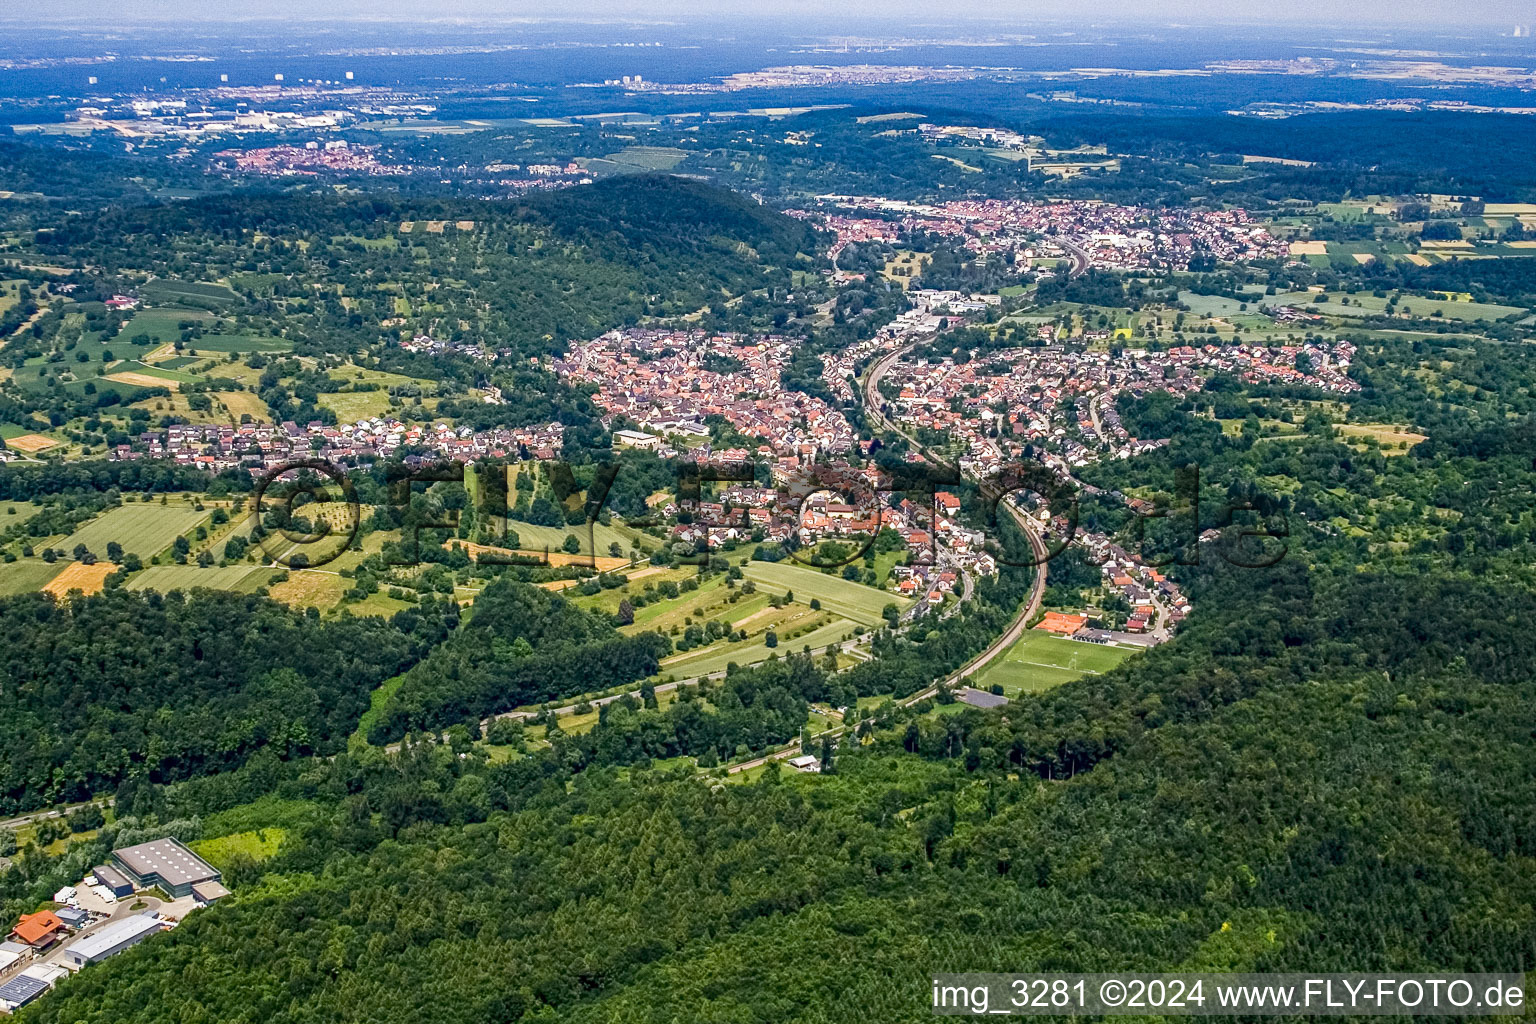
88 579
851 600
603 563
165 578
30 443
143 530
1364 304
1039 661
1394 440
798 629
26 575
537 538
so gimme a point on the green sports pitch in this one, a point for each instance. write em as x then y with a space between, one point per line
1039 661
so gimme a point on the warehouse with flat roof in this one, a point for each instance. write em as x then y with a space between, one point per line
28 985
166 863
114 938
117 883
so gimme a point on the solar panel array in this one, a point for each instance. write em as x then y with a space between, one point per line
21 990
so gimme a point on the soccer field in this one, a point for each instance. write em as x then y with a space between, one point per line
143 530
1040 661
851 600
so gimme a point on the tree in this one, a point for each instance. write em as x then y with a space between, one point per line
571 545
770 639
626 613
114 551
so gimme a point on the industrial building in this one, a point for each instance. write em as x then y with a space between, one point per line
114 938
28 985
166 863
74 917
113 880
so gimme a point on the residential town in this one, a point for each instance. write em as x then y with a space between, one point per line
672 381
1024 233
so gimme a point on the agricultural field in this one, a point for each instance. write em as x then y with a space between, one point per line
19 440
308 588
638 160
537 538
1394 440
802 628
1039 661
25 575
193 293
1366 304
162 326
227 407
607 601
21 510
710 601
241 343
165 578
603 563
89 579
851 600
351 406
143 530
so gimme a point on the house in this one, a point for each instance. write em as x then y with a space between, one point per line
10 957
207 892
39 930
166 863
805 763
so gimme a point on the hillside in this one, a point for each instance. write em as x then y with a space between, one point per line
337 274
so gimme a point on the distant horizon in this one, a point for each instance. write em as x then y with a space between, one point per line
900 17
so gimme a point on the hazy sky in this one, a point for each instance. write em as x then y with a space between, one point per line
868 16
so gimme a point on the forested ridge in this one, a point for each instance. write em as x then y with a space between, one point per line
522 645
529 276
1369 809
102 689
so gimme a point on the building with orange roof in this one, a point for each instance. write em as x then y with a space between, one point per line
1061 622
39 930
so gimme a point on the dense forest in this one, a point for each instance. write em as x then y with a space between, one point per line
1212 833
521 645
139 686
532 275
